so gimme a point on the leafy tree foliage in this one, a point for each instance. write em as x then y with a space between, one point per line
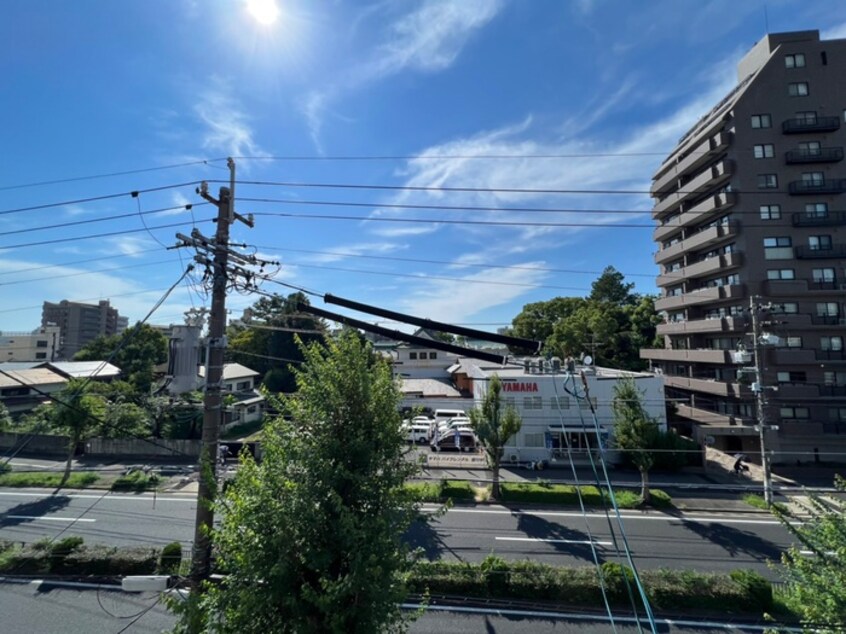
141 348
5 418
613 323
635 431
312 538
75 413
817 584
494 425
251 346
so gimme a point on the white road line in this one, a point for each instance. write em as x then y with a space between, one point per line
41 518
811 553
713 519
141 497
551 541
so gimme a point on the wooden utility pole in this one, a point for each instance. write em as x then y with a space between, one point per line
761 397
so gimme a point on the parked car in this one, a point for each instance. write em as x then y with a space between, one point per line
446 425
417 432
454 440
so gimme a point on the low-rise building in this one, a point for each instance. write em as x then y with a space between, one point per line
90 370
42 344
247 403
22 388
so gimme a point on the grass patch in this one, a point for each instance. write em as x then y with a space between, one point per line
79 480
753 499
742 592
440 491
566 495
136 481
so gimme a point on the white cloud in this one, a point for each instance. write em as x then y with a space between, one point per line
227 125
455 301
133 246
339 253
74 210
836 32
428 39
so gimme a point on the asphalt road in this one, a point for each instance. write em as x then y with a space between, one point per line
42 609
707 542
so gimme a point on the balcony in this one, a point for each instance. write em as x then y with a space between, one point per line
707 179
697 214
833 390
820 155
827 320
830 355
703 355
700 296
803 188
806 252
817 124
823 285
708 386
831 219
796 391
702 268
714 421
697 326
698 240
696 156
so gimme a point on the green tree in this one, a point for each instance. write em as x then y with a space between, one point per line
140 349
610 288
312 538
494 425
5 418
816 585
75 413
635 431
257 346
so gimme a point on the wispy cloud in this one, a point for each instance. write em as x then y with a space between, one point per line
835 32
344 252
428 39
179 201
228 127
74 210
132 246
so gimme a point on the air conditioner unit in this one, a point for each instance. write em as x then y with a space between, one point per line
514 458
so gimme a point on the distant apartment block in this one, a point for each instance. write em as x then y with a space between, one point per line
41 344
751 203
80 324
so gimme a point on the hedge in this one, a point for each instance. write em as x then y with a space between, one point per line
440 491
40 479
566 495
69 556
495 578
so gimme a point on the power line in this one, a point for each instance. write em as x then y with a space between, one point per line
83 273
91 199
463 157
85 299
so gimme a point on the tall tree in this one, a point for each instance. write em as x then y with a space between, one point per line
256 345
140 348
816 585
635 431
312 538
75 413
494 425
610 287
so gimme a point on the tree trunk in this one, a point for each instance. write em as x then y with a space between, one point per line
495 483
644 491
71 452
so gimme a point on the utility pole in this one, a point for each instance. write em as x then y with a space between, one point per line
221 274
760 397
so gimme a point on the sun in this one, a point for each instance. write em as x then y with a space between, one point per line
265 12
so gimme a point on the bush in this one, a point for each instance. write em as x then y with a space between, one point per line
136 480
758 590
47 480
60 550
544 493
456 490
4 468
440 491
170 559
627 499
112 561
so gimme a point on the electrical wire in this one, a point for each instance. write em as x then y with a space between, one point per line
463 157
90 199
137 618
83 273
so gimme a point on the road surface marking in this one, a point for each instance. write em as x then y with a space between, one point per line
45 519
142 497
830 553
715 519
551 541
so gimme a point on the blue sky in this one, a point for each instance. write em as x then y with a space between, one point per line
607 86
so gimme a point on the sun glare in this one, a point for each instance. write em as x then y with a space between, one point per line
264 12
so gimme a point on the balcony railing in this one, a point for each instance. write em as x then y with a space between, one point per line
829 219
831 355
832 390
833 186
822 285
817 124
826 320
806 252
819 155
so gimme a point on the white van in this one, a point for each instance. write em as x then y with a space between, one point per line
446 414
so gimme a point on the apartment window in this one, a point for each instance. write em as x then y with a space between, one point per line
831 377
831 343
243 385
767 181
775 243
762 121
816 210
40 355
798 89
792 342
810 148
808 117
823 275
828 309
722 343
794 412
786 308
813 178
40 344
766 150
819 243
559 402
675 318
532 402
770 212
675 291
412 355
797 60
837 414
824 58
583 403
792 377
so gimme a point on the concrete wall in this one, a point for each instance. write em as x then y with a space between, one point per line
131 447
34 445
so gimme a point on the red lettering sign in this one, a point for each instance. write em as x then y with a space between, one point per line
520 387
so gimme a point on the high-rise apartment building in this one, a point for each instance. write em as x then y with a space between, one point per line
80 323
751 203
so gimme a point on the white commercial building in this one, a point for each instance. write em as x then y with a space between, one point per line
42 344
551 403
